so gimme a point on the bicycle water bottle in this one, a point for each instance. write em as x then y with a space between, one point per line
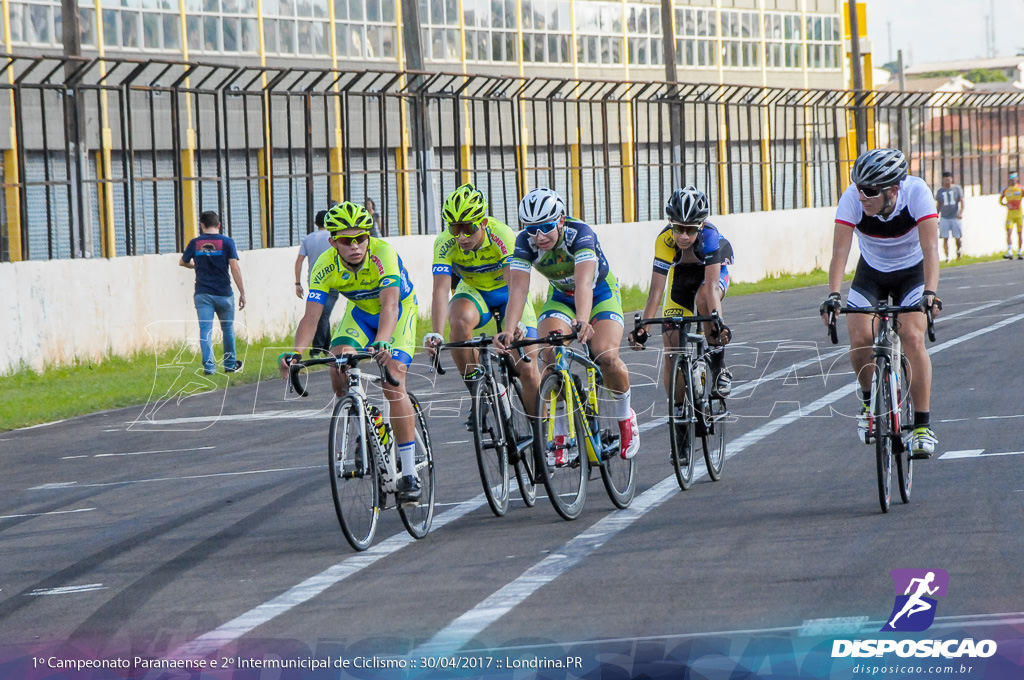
700 375
379 425
503 399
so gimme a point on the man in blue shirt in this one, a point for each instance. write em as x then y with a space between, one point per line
212 255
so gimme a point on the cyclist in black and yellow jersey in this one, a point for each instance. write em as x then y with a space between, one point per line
693 257
380 318
477 248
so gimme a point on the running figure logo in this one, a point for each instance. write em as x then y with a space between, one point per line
914 609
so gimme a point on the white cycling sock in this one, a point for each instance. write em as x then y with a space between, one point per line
620 405
407 455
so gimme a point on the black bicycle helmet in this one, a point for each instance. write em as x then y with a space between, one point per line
879 168
688 205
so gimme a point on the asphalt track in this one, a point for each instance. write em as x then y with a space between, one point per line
201 525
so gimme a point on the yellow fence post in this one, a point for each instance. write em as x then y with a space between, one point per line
628 184
336 167
189 209
576 180
12 199
108 237
262 163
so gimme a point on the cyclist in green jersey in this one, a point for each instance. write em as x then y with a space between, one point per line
380 318
477 248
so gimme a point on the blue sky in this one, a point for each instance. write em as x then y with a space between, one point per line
942 30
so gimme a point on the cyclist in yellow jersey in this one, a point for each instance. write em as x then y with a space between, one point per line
477 248
692 257
380 318
1011 197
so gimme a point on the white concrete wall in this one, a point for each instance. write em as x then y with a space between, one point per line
60 311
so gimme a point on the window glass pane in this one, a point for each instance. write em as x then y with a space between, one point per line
194 27
87 22
250 35
373 41
151 31
355 10
38 24
286 37
527 14
387 11
340 10
270 35
111 28
172 30
211 33
231 30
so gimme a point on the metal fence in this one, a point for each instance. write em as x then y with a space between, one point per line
118 157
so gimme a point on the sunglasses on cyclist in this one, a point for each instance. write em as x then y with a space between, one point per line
545 228
463 228
359 239
870 192
688 229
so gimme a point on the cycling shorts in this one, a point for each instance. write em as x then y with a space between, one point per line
358 329
487 302
607 303
683 283
1014 217
903 287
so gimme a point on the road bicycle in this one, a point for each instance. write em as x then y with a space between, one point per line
695 412
503 433
891 408
361 455
572 402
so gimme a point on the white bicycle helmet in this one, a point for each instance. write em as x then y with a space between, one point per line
541 205
880 168
688 205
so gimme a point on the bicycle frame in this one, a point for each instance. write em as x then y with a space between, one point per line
563 358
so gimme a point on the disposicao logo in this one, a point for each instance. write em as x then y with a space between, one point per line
914 611
916 590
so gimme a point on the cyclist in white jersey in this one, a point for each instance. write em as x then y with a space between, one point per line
896 224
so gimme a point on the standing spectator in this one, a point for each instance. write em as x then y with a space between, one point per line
371 208
212 255
312 246
1011 197
949 201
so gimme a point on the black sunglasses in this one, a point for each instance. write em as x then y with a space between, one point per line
688 229
870 192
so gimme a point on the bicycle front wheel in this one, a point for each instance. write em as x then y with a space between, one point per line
491 451
714 416
353 474
563 463
417 519
617 473
523 446
681 422
881 409
904 463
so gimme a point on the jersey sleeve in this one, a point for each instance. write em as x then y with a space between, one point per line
919 200
711 246
230 249
524 254
504 239
849 210
190 251
443 245
320 277
584 243
665 251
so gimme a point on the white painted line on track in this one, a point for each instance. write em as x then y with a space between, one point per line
45 514
143 453
976 453
67 590
473 622
1007 417
77 485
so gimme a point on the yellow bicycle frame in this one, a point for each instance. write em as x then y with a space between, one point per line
572 398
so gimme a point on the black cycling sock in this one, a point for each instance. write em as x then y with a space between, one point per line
921 418
717 357
865 396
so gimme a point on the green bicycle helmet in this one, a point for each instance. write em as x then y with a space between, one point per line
465 204
348 215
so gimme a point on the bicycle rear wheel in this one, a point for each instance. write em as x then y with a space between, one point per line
523 447
417 520
354 482
563 463
681 425
490 443
714 418
881 409
617 473
904 463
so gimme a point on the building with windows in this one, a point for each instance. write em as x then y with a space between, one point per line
778 43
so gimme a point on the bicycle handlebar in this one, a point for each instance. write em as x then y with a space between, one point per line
481 341
341 361
639 323
890 310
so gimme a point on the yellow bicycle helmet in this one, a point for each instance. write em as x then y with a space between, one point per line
348 215
465 204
